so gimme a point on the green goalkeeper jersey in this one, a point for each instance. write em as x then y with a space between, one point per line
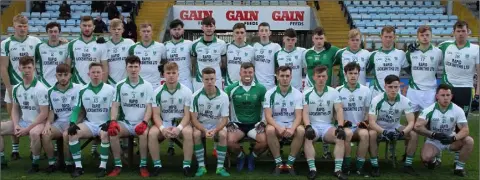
246 102
313 58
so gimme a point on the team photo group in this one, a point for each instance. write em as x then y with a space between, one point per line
111 90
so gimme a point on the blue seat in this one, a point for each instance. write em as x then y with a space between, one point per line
366 17
429 11
40 23
45 19
85 14
104 15
446 32
400 24
419 10
410 24
370 24
66 29
33 30
54 14
75 30
347 2
382 10
50 8
95 14
381 24
424 17
453 17
414 17
126 14
26 14
353 10
70 22
45 15
62 22
35 15
395 17
384 17
443 17
75 16
362 10
10 30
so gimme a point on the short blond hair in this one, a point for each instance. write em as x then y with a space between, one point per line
21 19
170 66
353 33
115 23
145 25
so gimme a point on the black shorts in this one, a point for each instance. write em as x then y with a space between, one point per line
245 127
462 97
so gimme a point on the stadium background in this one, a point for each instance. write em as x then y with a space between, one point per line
337 17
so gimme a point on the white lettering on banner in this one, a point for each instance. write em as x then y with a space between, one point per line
279 17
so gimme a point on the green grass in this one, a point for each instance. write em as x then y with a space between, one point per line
172 165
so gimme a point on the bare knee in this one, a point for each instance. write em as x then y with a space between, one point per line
348 133
197 134
104 136
413 135
270 130
261 139
34 134
153 133
222 134
300 131
372 134
187 133
468 141
363 134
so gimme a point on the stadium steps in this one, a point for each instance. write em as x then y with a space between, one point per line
16 7
465 14
334 22
154 12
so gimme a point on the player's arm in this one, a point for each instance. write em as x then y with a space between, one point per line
157 120
50 118
41 117
221 124
15 113
371 63
78 112
269 118
464 130
372 117
408 69
339 113
114 110
4 60
196 123
421 127
105 70
186 117
305 117
410 122
223 64
477 92
225 112
148 113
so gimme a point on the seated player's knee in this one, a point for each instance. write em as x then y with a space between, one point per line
153 132
104 136
412 135
348 133
197 134
222 134
34 135
427 156
372 134
300 131
270 130
468 141
363 134
114 138
187 133
231 140
46 137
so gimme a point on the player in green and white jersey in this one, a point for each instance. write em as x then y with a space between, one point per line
461 57
264 56
150 53
246 98
29 112
438 123
353 53
283 112
320 103
384 122
386 61
85 50
178 51
94 102
208 51
50 54
132 109
238 52
322 53
11 50
117 52
424 60
291 56
209 117
62 97
355 98
171 116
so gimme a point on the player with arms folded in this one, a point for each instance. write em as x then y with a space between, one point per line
238 52
264 56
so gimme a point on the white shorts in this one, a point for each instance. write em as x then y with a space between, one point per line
6 98
285 124
199 85
421 99
130 127
94 128
321 129
437 144
61 125
24 124
211 126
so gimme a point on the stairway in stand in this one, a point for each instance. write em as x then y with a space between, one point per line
154 12
333 21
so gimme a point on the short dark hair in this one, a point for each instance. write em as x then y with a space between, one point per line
391 78
460 24
93 64
208 70
175 23
247 65
132 59
63 68
424 28
351 66
283 69
208 20
239 26
86 18
290 32
51 25
388 29
265 24
25 60
444 87
319 69
318 31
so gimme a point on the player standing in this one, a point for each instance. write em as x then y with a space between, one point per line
291 56
208 51
384 119
353 53
178 51
238 52
94 101
117 52
11 50
438 122
62 97
283 112
171 103
209 117
264 56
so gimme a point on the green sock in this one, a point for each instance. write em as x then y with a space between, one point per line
143 162
186 164
76 153
278 160
104 152
408 161
68 161
374 161
118 162
51 161
360 162
311 164
347 161
338 165
221 153
157 163
35 159
291 160
199 154
459 165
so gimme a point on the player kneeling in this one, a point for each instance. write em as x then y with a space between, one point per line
62 97
171 102
320 103
438 122
94 100
132 107
384 119
283 112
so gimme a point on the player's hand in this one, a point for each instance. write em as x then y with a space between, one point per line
113 128
210 133
260 127
47 129
327 45
16 128
141 128
340 133
413 47
309 132
386 134
363 125
439 136
175 132
232 127
448 140
289 132
169 132
104 126
72 130
101 40
347 124
63 40
22 132
398 134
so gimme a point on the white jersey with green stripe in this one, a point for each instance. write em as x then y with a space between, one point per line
83 53
388 115
116 54
459 63
15 49
62 102
29 99
133 99
355 102
424 66
150 56
283 106
47 58
385 63
293 59
237 55
172 104
210 110
208 55
97 101
439 121
321 106
180 53
346 55
265 63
